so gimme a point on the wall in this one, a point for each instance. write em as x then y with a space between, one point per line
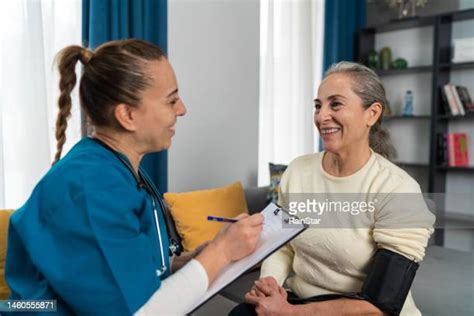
214 48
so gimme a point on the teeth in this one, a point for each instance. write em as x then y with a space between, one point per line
327 131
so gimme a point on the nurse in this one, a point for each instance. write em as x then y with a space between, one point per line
93 236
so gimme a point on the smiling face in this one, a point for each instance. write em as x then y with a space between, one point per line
340 117
159 109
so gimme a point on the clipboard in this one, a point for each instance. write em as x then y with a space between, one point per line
273 236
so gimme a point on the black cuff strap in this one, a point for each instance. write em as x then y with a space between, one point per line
388 281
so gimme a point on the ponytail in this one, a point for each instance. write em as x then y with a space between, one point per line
67 60
116 72
381 143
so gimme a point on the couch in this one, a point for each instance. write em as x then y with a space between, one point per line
444 284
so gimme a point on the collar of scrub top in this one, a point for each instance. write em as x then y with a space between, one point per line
144 182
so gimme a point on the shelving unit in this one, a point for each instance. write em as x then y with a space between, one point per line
440 70
408 117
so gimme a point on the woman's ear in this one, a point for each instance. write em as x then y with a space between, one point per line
374 112
125 117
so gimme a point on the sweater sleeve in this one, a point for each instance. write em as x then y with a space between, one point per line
279 264
403 223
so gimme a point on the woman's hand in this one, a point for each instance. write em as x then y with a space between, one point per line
269 281
269 298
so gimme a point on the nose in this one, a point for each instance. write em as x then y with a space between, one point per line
323 115
181 109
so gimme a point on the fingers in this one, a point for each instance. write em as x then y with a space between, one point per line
265 289
252 299
270 281
255 219
259 293
242 216
283 292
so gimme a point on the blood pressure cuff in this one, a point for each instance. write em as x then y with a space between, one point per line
388 281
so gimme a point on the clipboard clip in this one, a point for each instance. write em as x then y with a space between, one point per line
276 211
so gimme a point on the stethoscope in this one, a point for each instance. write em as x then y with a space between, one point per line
147 184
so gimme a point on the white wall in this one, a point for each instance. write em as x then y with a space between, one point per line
213 46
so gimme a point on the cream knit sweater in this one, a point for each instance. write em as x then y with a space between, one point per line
330 260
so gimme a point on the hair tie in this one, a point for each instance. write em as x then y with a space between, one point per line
86 55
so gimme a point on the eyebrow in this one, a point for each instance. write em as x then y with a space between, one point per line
331 97
172 92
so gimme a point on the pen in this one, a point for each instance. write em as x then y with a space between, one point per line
221 219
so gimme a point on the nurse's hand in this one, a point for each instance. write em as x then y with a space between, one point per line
240 239
232 243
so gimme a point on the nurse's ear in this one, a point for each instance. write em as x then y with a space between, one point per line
125 116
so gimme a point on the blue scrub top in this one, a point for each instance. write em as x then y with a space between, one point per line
86 237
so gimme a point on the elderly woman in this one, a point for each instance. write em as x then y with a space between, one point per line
351 269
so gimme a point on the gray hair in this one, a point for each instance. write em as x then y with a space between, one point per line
368 86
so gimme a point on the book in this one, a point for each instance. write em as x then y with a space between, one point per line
451 101
445 103
441 150
457 99
450 149
457 150
465 97
461 156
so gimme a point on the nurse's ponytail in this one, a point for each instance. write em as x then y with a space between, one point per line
67 60
115 73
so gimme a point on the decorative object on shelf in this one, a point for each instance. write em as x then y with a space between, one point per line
463 49
408 104
385 58
406 8
400 63
373 59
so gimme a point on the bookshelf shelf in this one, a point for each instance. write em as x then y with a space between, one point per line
456 117
455 66
408 23
458 169
441 69
412 164
402 117
409 70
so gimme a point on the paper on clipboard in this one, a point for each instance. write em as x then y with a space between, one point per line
273 236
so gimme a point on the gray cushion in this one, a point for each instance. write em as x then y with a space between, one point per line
237 289
257 198
218 305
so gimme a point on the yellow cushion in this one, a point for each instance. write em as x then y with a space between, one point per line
190 211
4 219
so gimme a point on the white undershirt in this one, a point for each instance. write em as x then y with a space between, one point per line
179 292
